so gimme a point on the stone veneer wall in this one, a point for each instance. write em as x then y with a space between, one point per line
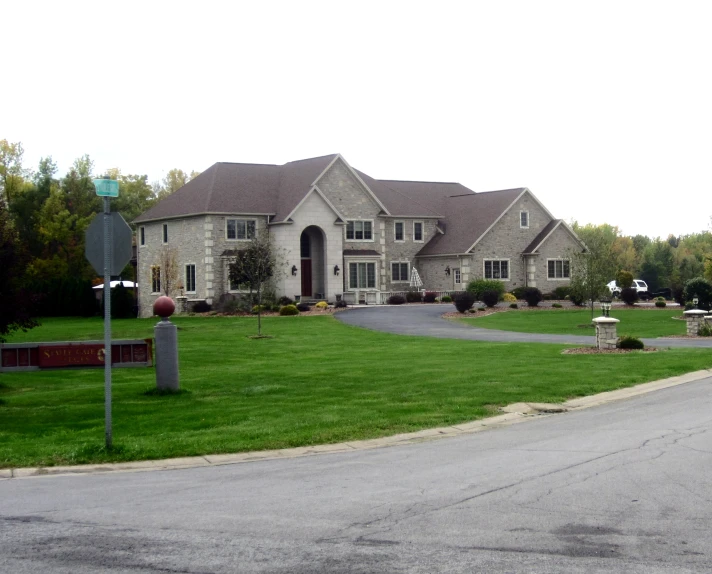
560 245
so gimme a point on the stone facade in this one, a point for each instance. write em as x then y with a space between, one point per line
606 332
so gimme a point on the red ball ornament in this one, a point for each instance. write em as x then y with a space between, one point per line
164 307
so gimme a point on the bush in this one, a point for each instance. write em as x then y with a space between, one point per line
288 310
122 303
396 300
577 299
509 298
341 304
490 297
678 294
479 286
202 307
562 292
446 299
548 296
321 305
629 295
556 305
430 297
705 331
464 301
481 309
628 342
284 300
660 302
414 297
532 296
700 288
275 308
513 306
260 308
624 279
301 307
472 310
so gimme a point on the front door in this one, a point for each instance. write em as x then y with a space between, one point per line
306 278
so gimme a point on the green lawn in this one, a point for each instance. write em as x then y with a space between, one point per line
317 381
635 322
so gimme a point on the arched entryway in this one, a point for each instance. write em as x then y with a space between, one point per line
312 247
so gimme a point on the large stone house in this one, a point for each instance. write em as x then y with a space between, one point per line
344 234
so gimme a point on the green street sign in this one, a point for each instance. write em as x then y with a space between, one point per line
106 187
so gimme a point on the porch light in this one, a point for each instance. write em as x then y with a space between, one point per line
294 269
606 308
336 270
447 270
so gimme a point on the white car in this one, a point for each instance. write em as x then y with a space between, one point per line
638 284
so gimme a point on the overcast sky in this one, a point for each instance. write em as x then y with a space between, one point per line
603 109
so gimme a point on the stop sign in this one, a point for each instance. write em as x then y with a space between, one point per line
120 235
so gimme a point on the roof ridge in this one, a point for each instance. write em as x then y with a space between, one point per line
501 190
421 181
243 163
311 158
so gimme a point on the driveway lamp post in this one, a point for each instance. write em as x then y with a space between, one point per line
605 308
695 301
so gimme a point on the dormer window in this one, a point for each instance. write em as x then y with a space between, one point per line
524 219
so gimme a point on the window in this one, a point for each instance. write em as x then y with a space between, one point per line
456 273
399 272
155 279
417 231
190 278
362 275
359 230
558 269
398 231
524 219
142 235
240 229
497 269
165 233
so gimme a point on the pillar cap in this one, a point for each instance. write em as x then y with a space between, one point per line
605 320
695 312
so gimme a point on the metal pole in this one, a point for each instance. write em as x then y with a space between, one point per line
107 321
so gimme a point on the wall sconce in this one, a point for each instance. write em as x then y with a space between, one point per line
294 269
336 269
447 270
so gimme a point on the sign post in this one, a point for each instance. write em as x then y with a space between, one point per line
105 188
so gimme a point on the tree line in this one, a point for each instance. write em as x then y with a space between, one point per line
43 219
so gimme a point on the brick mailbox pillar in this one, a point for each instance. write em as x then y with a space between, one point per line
606 336
694 318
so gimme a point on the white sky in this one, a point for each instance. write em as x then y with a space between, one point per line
603 109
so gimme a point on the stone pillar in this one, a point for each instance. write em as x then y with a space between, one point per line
166 335
606 336
695 318
181 305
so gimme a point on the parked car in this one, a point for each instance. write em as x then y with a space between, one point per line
638 284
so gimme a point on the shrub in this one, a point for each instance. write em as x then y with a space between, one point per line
446 299
659 303
577 299
231 306
201 307
275 308
624 279
678 294
260 308
490 297
556 305
562 292
284 300
122 303
302 307
548 296
705 331
396 300
414 297
628 342
321 305
479 286
629 295
288 310
429 297
464 301
700 288
341 304
509 298
532 296
481 309
513 306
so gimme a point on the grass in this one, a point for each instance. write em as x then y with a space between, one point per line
316 381
635 322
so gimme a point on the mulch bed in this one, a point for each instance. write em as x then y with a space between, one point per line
595 351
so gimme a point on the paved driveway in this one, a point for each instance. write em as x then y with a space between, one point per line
427 321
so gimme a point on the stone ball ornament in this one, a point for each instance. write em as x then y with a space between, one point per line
164 307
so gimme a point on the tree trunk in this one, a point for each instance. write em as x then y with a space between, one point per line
259 311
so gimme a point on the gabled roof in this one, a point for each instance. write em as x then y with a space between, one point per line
547 232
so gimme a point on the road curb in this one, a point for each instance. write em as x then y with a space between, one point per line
499 421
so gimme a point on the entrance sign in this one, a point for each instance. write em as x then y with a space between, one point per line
106 187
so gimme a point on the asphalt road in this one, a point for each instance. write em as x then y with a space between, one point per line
625 487
427 321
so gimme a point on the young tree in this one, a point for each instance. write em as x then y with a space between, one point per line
170 275
594 268
255 266
12 174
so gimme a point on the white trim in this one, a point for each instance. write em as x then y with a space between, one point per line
522 211
373 231
544 239
195 277
353 172
455 272
398 262
509 268
562 269
237 239
422 232
395 233
316 189
372 261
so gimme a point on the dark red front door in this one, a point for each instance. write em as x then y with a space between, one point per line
306 278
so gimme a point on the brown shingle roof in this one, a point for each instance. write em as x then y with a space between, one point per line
548 228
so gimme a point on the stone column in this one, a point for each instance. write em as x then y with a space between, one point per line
695 318
166 335
606 336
